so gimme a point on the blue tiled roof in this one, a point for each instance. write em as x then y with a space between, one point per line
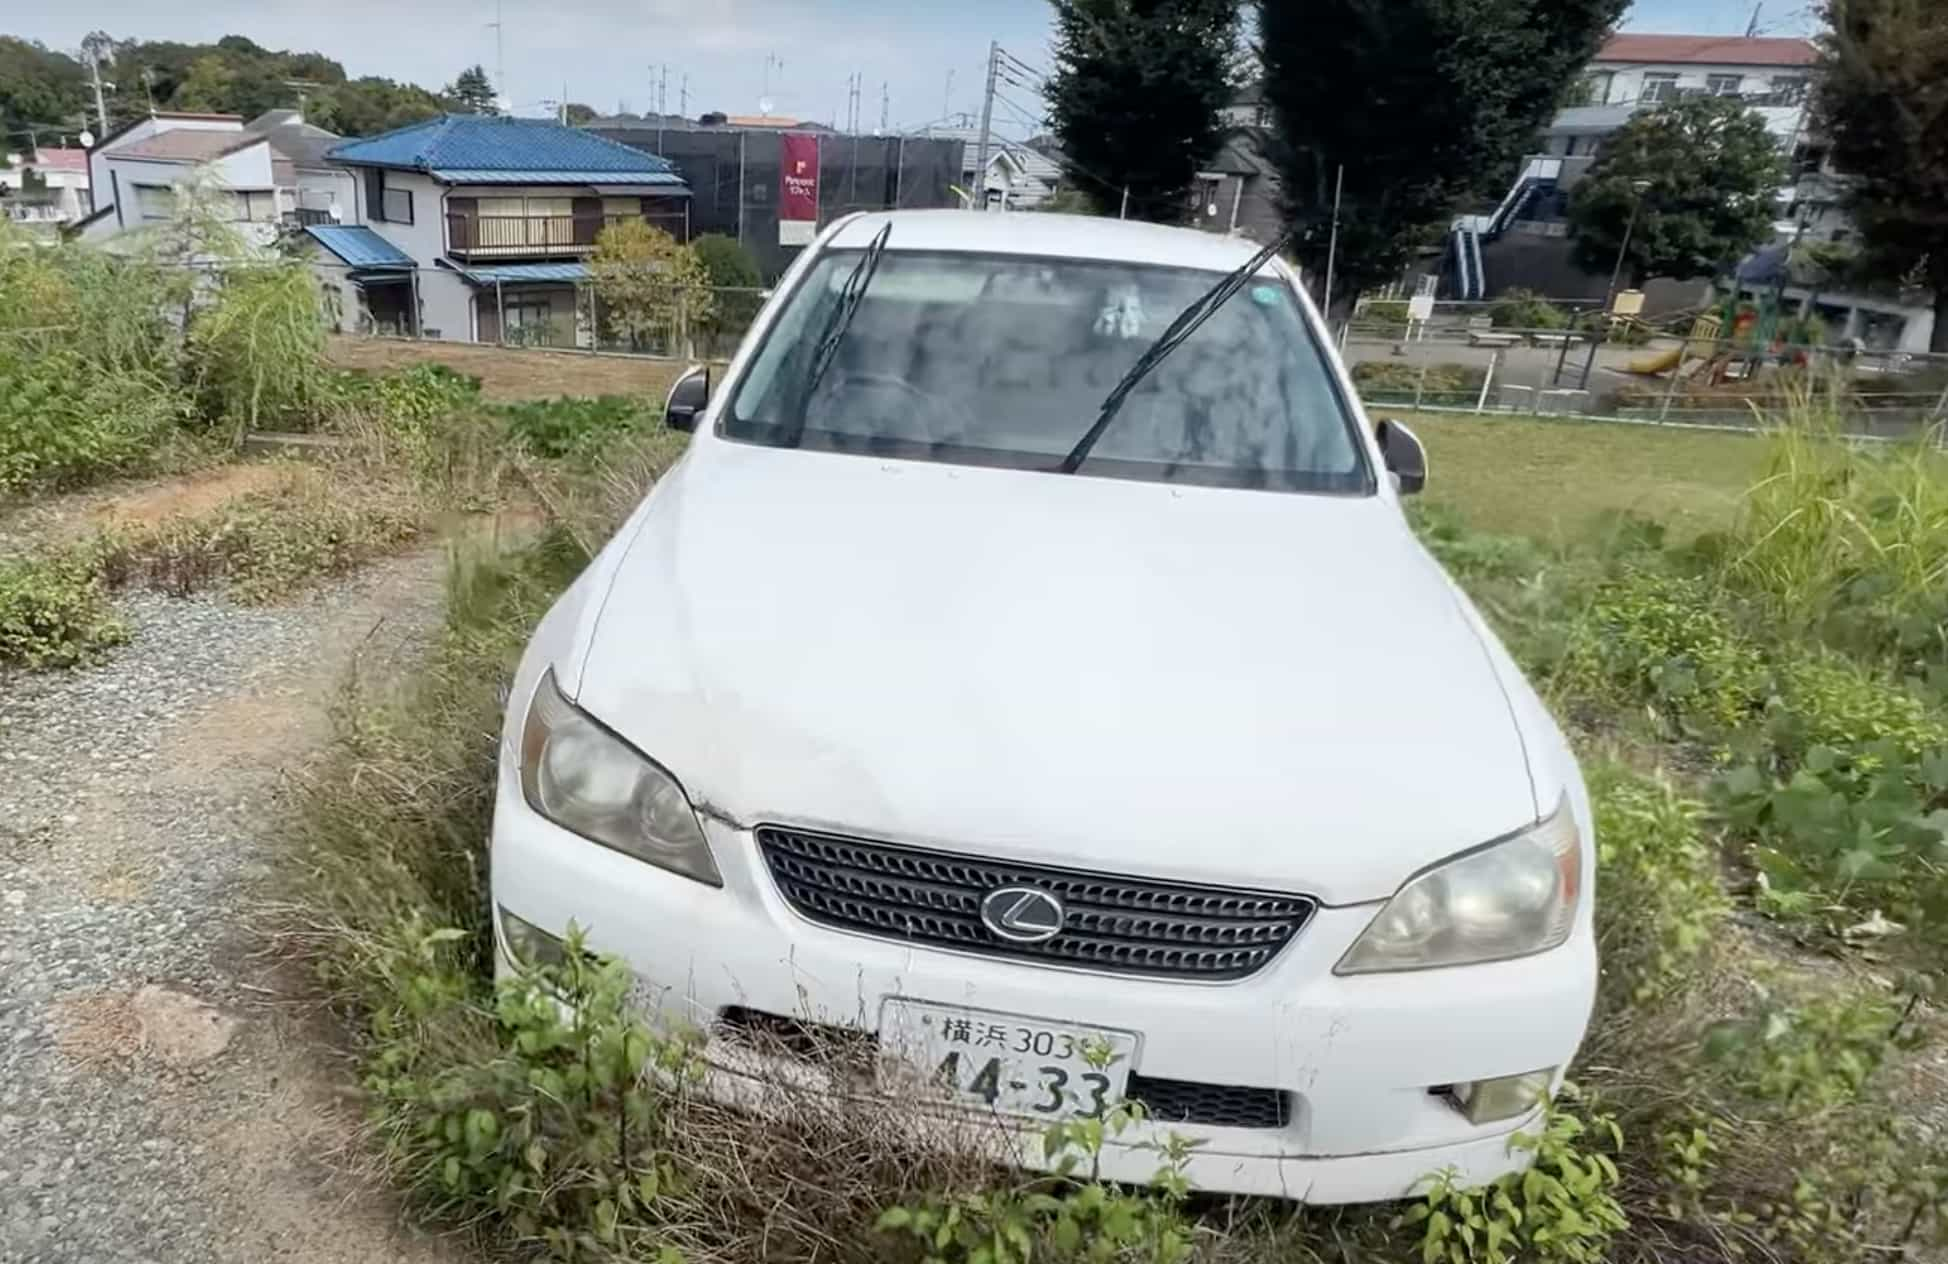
516 273
359 246
510 147
667 185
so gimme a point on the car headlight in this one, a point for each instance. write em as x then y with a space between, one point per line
1508 899
586 779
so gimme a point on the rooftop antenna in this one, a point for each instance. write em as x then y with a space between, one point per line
1752 27
683 96
500 56
771 60
302 87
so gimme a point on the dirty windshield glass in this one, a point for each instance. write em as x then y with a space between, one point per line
1006 360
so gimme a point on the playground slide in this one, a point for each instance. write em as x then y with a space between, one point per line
1662 362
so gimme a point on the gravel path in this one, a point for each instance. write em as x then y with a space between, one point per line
161 1096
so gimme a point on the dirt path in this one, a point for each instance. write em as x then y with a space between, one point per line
162 1096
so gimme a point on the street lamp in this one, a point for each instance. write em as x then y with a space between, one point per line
1638 188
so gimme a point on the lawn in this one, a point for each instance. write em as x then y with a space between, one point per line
1559 479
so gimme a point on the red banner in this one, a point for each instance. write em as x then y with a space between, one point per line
798 177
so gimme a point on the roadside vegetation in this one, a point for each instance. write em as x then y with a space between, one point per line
1760 694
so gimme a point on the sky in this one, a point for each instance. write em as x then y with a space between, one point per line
927 56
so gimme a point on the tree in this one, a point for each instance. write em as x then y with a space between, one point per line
1426 104
473 92
646 284
1710 169
1884 110
1136 95
577 113
41 92
370 105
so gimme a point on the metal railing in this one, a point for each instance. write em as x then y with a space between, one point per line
542 236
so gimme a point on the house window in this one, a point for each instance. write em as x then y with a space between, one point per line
252 206
155 202
1724 85
1789 90
398 206
1659 86
1596 87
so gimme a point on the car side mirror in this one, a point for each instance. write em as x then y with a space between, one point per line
687 399
1405 457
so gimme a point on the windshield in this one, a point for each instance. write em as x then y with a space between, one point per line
1006 360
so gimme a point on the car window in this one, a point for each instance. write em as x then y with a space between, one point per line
1006 360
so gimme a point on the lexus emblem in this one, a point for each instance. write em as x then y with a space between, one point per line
1023 915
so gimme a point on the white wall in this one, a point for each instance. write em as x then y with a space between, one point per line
1627 83
143 129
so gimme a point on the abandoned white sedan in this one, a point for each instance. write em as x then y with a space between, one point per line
1029 660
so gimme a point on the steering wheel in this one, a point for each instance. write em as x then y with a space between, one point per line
921 411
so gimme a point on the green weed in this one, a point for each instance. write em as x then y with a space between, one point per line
54 612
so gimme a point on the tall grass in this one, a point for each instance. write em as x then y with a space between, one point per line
1845 538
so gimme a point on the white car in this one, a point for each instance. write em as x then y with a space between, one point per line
1008 681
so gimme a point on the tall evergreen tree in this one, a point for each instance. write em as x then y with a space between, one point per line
1883 106
1426 104
473 92
1136 95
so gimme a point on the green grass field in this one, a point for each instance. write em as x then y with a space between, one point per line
1557 479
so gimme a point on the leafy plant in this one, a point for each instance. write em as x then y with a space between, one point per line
577 427
1666 641
1810 1053
1060 1218
54 612
1661 904
256 352
1563 1208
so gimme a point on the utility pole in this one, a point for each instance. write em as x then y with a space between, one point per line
683 97
1332 249
885 104
663 89
1752 27
987 121
101 109
1124 212
95 47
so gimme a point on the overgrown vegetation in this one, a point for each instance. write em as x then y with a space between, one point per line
1753 760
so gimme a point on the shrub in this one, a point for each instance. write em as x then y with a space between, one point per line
1664 640
54 612
1564 1208
63 423
256 352
568 427
734 276
1660 904
1388 312
1399 382
1857 832
1525 309
1831 701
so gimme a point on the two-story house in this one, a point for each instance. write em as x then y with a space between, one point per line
478 228
45 188
257 175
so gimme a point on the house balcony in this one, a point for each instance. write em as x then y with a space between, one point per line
477 237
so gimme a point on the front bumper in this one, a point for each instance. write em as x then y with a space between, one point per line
1358 1055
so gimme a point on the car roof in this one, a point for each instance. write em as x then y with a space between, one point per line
1049 235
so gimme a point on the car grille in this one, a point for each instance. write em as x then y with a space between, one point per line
1164 929
1213 1105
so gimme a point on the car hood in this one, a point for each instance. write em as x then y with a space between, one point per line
1255 689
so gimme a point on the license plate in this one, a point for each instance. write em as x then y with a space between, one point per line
1006 1063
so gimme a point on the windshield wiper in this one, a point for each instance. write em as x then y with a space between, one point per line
838 322
1180 329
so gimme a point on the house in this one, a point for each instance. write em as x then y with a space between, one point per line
45 188
323 191
1237 190
1018 178
478 228
138 172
